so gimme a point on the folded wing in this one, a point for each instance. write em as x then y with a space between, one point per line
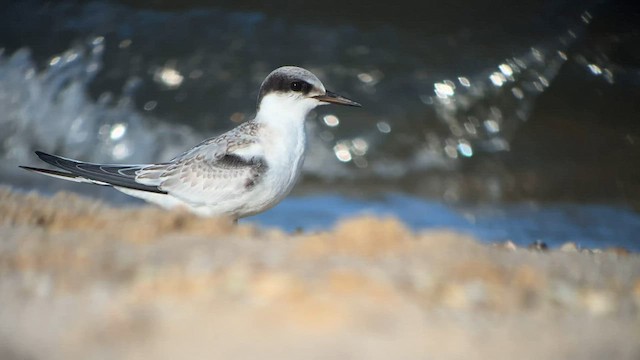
217 169
205 176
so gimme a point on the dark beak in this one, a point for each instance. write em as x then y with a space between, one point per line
336 99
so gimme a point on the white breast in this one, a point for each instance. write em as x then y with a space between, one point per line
283 141
284 156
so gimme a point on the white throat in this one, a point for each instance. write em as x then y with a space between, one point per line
283 137
278 109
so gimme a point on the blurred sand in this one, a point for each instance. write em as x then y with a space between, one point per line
82 280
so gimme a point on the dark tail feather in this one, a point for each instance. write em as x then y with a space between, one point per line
110 175
55 173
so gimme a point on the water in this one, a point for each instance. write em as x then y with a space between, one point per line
449 100
589 226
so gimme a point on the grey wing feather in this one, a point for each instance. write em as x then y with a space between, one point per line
214 170
114 175
200 173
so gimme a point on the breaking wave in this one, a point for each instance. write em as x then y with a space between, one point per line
88 103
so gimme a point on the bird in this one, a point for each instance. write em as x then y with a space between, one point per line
242 172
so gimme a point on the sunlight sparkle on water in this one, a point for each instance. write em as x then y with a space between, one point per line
331 120
464 81
117 131
444 89
465 149
517 92
342 152
70 56
470 128
595 69
492 126
562 55
120 151
543 81
365 78
150 105
360 146
537 54
383 127
497 79
451 151
169 77
125 43
506 69
370 78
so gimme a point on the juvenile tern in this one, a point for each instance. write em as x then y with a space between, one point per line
242 172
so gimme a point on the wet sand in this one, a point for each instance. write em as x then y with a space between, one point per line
82 280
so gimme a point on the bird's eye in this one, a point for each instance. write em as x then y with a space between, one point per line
299 86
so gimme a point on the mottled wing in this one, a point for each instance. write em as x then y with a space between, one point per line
216 170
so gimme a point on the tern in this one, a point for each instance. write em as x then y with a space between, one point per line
240 173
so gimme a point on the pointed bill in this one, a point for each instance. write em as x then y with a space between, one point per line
331 97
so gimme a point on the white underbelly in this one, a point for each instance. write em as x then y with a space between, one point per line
275 185
284 155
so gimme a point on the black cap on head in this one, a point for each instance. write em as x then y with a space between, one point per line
298 80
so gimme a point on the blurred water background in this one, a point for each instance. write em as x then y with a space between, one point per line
508 120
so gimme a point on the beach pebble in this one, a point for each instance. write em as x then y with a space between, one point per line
507 245
538 245
569 247
620 251
598 302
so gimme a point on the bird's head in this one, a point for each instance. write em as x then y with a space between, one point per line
291 87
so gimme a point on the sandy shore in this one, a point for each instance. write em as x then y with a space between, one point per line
82 280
